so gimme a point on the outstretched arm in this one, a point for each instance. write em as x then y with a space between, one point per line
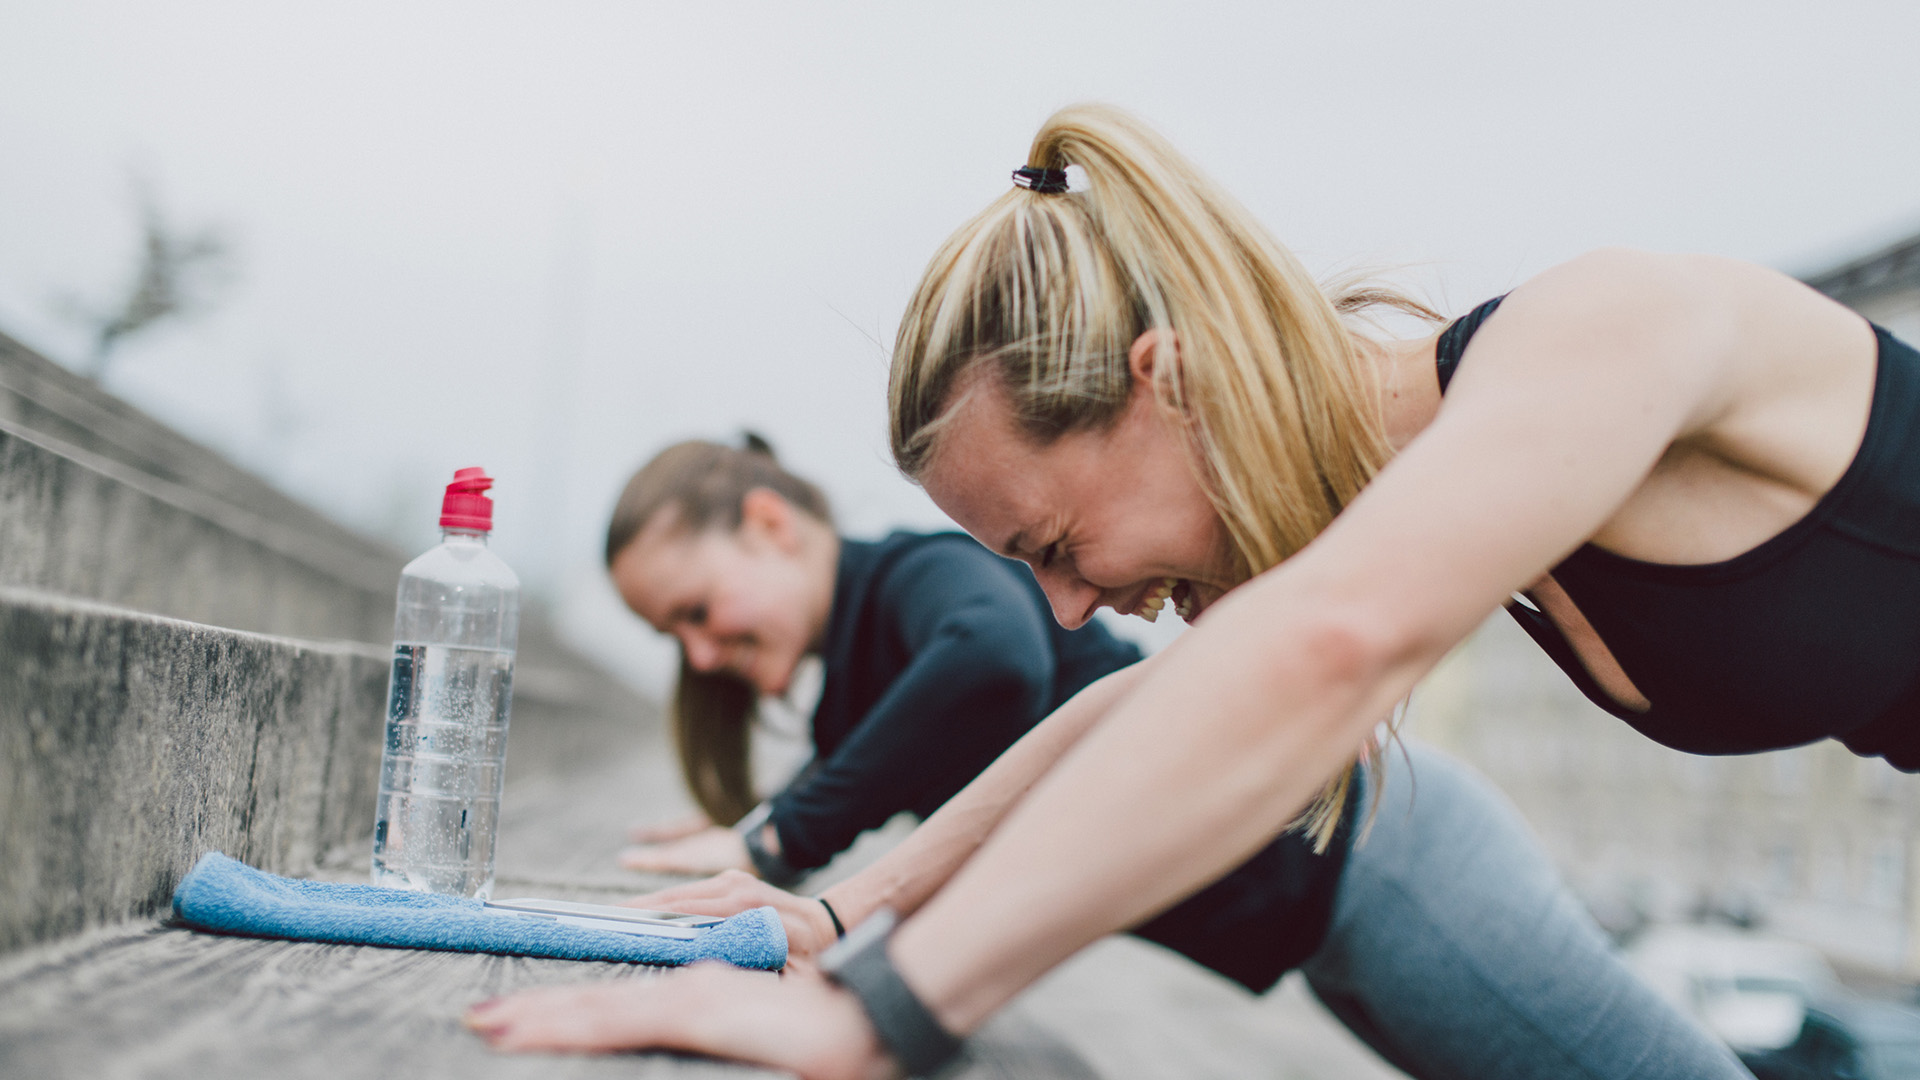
904 877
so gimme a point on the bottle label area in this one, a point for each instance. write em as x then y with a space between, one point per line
442 768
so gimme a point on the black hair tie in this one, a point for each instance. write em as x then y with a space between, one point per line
1042 181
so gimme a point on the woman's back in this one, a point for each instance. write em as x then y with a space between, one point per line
1813 633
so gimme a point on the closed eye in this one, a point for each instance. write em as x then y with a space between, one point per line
1048 554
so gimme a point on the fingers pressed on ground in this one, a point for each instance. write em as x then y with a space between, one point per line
661 831
800 1022
728 886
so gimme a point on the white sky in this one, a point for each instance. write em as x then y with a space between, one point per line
549 238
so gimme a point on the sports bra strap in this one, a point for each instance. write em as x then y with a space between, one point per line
1453 340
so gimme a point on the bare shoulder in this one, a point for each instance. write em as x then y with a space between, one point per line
1714 299
1711 299
1722 332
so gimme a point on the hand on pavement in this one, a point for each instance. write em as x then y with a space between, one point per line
708 851
799 1021
664 831
809 929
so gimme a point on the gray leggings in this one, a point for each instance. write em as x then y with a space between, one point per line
1456 952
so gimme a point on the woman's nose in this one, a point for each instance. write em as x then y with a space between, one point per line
703 655
1074 601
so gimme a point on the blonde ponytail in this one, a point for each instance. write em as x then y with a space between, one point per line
1050 290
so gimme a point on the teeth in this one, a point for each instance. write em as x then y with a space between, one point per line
1156 598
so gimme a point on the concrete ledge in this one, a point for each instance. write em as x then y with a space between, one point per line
130 744
41 397
103 531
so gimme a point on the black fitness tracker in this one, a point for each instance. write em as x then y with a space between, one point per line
860 963
773 869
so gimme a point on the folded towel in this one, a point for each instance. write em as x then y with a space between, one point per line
230 897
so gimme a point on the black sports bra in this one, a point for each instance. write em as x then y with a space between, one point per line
1815 633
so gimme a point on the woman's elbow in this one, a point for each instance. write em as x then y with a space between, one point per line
1349 652
1019 681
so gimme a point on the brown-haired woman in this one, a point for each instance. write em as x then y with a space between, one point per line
939 655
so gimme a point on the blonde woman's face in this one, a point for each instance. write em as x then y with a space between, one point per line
738 602
1104 518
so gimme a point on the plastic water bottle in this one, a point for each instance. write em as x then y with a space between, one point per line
454 633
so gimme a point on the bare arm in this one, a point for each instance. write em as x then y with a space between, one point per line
904 877
909 874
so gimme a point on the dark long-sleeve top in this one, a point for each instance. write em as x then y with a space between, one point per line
939 655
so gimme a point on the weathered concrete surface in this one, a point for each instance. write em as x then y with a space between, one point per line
75 523
89 527
130 744
155 1002
142 998
147 1000
39 396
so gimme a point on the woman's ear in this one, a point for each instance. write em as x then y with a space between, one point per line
1153 366
763 513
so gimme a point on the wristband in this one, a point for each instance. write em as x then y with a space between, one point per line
839 928
859 962
772 868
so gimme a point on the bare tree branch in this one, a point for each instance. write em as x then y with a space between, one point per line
179 274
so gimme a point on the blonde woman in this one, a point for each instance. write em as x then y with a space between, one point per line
1695 479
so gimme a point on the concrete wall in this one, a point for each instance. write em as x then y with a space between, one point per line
40 396
75 523
130 744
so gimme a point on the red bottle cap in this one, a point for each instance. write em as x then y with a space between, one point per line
466 507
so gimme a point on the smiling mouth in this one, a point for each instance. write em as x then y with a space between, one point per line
1176 593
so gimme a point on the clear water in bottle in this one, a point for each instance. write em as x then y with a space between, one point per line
448 703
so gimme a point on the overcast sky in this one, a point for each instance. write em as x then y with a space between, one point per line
549 238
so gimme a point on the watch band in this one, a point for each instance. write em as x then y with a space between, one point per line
860 963
773 869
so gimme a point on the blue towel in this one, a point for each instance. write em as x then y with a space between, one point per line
230 897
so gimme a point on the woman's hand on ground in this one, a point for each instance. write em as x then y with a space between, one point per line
809 928
798 1022
666 831
708 851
